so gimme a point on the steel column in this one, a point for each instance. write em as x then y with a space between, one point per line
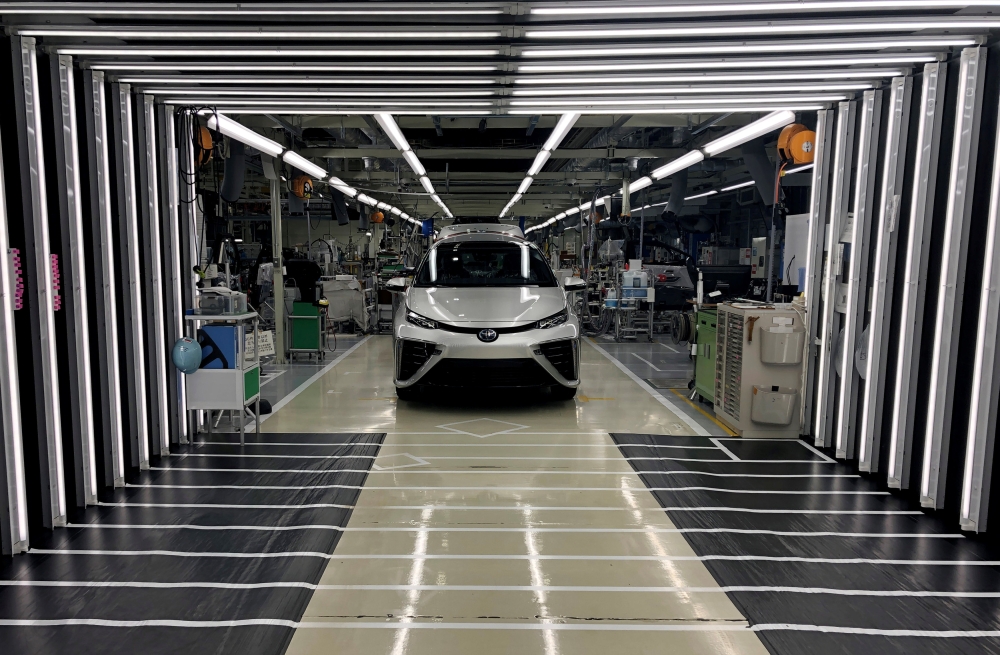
894 165
39 272
951 283
826 380
14 526
188 243
814 258
279 278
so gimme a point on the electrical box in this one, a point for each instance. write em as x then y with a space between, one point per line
758 258
758 369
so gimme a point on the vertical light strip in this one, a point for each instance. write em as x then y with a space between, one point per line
897 129
103 174
977 473
10 391
814 258
857 270
908 338
156 271
45 291
134 289
77 258
948 316
176 277
826 379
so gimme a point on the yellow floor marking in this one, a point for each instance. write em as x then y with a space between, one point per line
706 414
587 399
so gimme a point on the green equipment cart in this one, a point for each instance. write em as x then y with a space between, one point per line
704 366
304 330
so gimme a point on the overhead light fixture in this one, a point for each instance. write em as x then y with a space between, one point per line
752 131
559 132
245 10
232 129
296 160
414 162
710 64
702 195
687 101
640 184
426 183
431 80
738 185
305 106
680 78
255 33
294 68
517 196
540 159
748 28
525 183
345 93
679 164
675 111
706 89
702 9
743 48
392 130
296 52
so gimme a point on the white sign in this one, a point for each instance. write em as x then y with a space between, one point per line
265 341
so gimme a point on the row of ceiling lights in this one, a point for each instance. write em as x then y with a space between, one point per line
396 136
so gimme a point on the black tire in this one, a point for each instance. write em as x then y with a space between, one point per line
563 393
406 393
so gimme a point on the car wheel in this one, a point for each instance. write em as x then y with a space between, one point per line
406 393
563 393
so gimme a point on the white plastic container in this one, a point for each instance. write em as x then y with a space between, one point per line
782 345
773 405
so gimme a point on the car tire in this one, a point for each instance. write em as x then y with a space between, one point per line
406 393
563 393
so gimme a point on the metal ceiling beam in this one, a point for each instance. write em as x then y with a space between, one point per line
499 153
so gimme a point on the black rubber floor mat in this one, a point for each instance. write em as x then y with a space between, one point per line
193 557
821 556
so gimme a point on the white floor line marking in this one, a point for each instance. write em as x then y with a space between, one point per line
227 506
183 455
552 458
553 558
415 461
517 426
738 510
676 409
244 487
646 361
302 387
877 632
337 528
670 348
270 377
816 451
766 589
498 471
458 445
728 452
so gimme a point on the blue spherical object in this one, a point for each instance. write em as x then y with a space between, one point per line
186 355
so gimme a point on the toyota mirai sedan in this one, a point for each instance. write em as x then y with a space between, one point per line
485 312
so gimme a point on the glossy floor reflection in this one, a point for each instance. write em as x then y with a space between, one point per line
499 527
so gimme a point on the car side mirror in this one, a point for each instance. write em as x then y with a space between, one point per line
396 284
574 284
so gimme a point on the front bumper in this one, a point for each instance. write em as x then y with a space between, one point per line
514 360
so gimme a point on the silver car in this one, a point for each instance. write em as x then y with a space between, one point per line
485 312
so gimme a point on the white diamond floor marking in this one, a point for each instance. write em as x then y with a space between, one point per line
486 424
416 462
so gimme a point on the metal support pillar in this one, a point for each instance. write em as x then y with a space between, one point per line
951 283
894 165
170 234
826 378
908 337
814 257
977 473
131 307
188 244
155 337
106 296
279 278
74 279
869 126
39 273
14 511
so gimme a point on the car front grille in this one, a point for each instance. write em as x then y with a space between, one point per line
562 356
413 355
499 330
487 374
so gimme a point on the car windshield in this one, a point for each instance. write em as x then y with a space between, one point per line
484 264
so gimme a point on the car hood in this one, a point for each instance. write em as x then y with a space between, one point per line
486 306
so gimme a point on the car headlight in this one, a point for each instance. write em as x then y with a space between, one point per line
420 321
554 320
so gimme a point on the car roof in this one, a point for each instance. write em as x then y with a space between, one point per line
480 228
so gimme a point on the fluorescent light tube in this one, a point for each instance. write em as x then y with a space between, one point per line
745 7
540 159
758 128
291 68
631 109
680 78
296 160
640 184
679 164
167 51
702 195
255 33
565 124
675 90
414 162
680 64
392 130
740 185
688 101
426 183
436 198
525 183
517 196
234 130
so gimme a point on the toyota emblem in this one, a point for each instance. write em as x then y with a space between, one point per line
488 335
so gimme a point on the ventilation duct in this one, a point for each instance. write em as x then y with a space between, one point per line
761 169
678 189
235 172
338 207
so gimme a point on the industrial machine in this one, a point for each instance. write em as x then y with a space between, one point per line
758 369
